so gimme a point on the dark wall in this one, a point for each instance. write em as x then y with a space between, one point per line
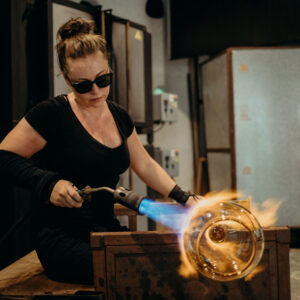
24 83
6 211
208 27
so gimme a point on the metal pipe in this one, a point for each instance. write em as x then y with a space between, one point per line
121 195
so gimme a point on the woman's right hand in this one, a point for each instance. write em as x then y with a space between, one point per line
64 194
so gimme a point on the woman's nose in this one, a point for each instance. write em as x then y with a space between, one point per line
94 87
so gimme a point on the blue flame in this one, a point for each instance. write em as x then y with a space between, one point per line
170 215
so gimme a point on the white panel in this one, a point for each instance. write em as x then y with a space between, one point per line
62 14
267 122
219 171
215 97
137 74
119 49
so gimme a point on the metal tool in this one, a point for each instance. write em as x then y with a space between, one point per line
86 192
121 195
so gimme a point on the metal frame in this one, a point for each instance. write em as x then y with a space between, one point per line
142 127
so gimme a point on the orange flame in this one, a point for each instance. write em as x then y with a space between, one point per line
256 271
267 216
186 269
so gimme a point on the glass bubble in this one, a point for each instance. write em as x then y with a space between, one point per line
223 241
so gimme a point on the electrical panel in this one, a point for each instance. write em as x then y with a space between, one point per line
165 108
168 159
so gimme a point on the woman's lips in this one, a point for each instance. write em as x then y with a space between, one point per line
97 99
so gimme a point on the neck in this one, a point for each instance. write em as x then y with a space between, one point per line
87 110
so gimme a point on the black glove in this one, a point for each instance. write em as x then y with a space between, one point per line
179 195
22 172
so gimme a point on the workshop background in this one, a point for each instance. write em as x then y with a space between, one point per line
247 139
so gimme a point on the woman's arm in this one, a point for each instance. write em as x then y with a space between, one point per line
147 168
23 140
153 174
21 143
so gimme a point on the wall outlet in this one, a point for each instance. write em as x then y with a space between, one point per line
165 108
168 159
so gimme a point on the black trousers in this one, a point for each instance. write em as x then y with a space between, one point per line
65 257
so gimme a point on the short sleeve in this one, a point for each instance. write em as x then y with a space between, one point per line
42 118
122 118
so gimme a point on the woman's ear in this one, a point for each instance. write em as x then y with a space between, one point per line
65 76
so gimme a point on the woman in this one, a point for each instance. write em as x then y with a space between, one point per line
87 140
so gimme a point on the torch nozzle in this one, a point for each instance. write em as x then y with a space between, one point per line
127 198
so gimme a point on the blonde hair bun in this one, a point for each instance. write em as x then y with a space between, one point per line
77 38
75 26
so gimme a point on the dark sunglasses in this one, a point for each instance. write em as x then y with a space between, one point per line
86 86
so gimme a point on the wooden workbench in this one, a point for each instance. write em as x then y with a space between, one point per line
26 277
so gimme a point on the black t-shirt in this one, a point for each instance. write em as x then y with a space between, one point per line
79 158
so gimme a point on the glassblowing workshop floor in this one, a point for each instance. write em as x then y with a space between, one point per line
295 273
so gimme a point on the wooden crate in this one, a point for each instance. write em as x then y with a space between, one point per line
143 265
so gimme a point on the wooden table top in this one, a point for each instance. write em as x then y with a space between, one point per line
26 276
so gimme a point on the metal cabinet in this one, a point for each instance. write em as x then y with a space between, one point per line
251 104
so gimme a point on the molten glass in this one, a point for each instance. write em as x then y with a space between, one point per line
223 240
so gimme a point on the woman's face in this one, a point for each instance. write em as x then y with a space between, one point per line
88 68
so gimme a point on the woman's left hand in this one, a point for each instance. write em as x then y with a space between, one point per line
193 200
